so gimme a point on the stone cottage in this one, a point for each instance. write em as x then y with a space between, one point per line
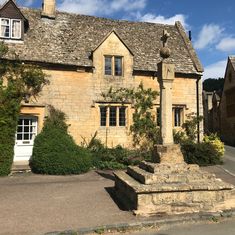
227 104
86 55
211 111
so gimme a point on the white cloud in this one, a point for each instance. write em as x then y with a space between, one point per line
208 35
163 20
215 70
107 7
127 5
29 2
2 1
226 44
20 2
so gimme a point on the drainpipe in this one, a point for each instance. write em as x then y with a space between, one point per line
198 108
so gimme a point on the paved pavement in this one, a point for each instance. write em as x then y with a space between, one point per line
210 228
35 204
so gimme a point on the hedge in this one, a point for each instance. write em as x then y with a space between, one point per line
56 153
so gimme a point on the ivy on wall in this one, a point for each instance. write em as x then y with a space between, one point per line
18 82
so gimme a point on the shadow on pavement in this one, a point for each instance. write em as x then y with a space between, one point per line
106 175
111 192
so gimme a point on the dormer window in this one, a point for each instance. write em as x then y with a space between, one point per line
10 28
113 65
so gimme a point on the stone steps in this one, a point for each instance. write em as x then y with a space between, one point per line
168 168
169 198
208 185
146 177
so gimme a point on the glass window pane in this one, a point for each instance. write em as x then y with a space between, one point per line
26 129
108 65
112 116
26 122
26 136
20 122
122 116
103 111
19 129
5 28
16 29
118 66
19 136
177 116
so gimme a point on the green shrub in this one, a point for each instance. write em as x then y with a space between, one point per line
203 154
216 143
209 152
55 152
9 110
114 158
179 136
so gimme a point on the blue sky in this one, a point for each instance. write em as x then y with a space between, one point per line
212 22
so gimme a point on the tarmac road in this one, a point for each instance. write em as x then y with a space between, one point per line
211 228
35 204
229 159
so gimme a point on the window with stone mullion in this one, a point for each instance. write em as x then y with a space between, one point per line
103 116
112 116
118 66
122 116
177 116
108 65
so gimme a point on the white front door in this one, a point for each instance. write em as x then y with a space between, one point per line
25 135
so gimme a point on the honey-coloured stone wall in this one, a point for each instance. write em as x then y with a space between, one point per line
78 94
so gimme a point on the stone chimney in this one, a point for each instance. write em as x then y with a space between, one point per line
48 9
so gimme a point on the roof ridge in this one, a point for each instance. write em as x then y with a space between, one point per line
100 17
69 38
116 33
189 47
232 61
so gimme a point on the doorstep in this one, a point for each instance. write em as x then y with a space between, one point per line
20 166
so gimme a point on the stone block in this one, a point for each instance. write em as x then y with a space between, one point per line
172 189
168 154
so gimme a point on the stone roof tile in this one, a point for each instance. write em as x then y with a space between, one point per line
232 59
70 38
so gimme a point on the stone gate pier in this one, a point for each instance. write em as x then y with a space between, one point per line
168 185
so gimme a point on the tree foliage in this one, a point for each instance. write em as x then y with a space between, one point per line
18 81
144 128
212 84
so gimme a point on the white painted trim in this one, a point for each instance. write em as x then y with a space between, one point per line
5 25
11 28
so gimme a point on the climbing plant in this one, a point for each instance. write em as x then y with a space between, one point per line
144 129
18 81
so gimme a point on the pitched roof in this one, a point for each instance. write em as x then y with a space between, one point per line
232 59
14 4
70 38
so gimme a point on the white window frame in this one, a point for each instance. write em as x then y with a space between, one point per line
9 20
33 123
11 28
